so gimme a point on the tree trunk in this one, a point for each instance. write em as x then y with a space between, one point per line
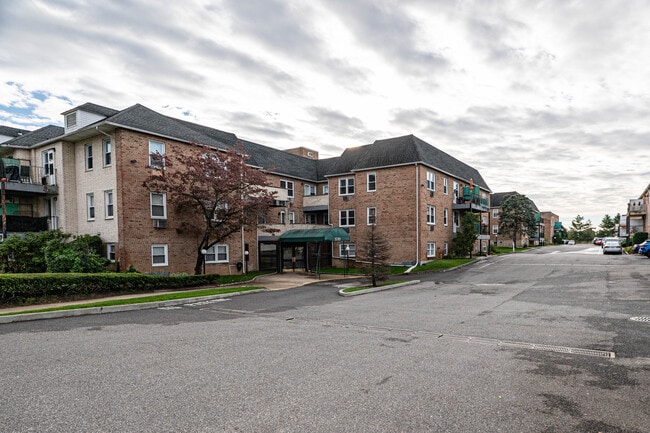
198 267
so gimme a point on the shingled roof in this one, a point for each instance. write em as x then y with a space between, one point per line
403 150
9 131
35 137
497 199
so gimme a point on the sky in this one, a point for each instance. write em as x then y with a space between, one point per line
547 98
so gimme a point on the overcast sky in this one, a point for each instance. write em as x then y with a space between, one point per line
547 98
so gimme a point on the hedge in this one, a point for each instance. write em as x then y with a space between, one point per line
34 288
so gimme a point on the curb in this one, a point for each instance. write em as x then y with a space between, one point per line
378 289
25 317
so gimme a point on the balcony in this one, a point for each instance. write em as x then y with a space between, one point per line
475 204
24 178
315 203
636 209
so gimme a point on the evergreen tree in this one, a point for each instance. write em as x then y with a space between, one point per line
464 243
581 229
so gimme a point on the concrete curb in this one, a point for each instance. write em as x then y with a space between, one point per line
24 317
377 289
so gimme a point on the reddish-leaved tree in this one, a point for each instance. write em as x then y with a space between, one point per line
215 193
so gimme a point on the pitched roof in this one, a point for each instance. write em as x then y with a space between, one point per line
497 199
8 131
34 137
93 108
407 149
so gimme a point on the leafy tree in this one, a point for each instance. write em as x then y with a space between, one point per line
214 193
581 229
466 237
375 254
517 217
607 226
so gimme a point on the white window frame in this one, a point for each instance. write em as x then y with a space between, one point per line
446 249
292 217
109 205
431 181
372 182
431 249
326 189
310 190
88 156
213 253
431 215
90 206
495 229
371 216
349 215
445 217
164 205
110 252
346 186
352 252
495 213
156 146
445 186
71 120
165 254
289 186
107 153
283 217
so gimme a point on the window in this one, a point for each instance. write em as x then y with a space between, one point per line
217 254
90 204
158 205
288 185
292 217
372 216
446 249
283 219
71 120
107 151
431 249
346 186
108 203
89 156
310 190
348 250
310 218
445 186
261 219
326 219
495 229
110 252
48 162
156 154
159 255
372 182
326 189
431 215
346 218
495 213
431 180
445 217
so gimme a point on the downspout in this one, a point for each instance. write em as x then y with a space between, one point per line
417 215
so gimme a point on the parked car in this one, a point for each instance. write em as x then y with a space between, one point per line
571 242
608 240
645 249
612 246
639 246
598 241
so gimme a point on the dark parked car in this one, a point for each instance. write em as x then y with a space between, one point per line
645 249
636 248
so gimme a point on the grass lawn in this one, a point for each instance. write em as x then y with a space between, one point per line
141 300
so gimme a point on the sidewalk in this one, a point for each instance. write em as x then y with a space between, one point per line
283 281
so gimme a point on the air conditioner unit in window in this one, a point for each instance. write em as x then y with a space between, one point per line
160 224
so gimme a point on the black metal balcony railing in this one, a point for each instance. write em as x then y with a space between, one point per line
21 171
21 224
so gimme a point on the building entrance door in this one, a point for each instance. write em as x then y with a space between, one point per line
293 257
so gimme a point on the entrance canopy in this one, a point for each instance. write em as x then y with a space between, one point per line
330 234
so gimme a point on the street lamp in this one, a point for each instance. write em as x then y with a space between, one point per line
246 261
347 255
204 252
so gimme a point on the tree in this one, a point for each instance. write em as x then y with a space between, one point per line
517 217
214 193
375 254
607 226
581 230
466 237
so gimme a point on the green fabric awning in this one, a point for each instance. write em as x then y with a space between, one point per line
333 234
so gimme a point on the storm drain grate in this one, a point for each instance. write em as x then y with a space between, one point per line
641 319
533 346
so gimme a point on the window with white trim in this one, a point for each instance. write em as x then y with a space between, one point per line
71 120
159 255
431 180
288 185
326 189
348 250
90 206
371 218
346 218
346 186
446 249
109 210
431 249
292 217
217 254
431 214
110 252
158 205
310 190
107 151
495 229
88 150
445 217
283 217
372 182
156 154
445 186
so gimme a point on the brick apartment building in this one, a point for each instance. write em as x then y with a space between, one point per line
545 223
87 178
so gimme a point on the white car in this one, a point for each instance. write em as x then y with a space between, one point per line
570 242
612 246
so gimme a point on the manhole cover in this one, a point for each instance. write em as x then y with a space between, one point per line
641 319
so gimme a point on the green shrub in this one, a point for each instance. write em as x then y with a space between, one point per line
639 237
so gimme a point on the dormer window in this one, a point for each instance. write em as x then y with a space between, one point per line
71 120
